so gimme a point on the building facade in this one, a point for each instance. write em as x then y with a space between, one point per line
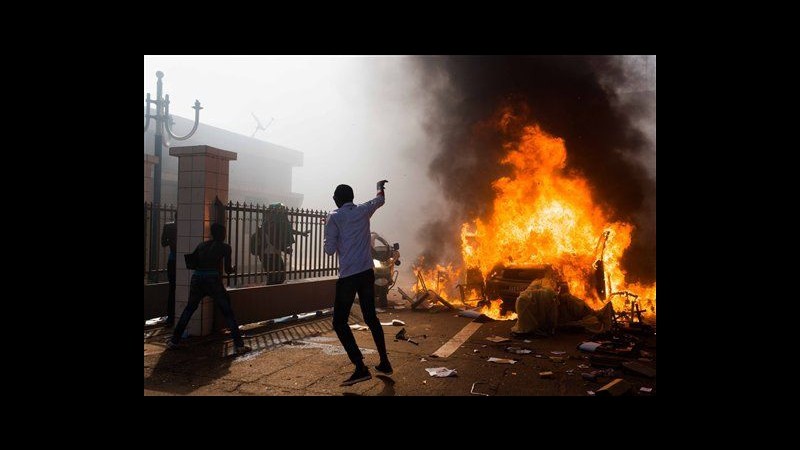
262 174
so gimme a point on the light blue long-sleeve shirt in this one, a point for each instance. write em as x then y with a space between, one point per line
347 232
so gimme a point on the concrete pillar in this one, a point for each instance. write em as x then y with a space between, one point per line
149 163
202 177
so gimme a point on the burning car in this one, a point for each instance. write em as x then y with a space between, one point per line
507 282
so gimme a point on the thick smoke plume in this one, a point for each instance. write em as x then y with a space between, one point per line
570 97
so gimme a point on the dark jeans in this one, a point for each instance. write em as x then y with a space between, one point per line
346 288
171 297
208 285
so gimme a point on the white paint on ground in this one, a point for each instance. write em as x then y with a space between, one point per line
456 341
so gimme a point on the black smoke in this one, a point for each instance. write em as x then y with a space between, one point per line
571 97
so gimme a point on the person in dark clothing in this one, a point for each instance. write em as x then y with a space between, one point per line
207 281
169 237
272 240
347 233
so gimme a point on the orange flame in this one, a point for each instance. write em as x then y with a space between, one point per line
441 279
493 311
545 214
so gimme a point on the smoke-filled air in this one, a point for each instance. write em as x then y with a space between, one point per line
513 160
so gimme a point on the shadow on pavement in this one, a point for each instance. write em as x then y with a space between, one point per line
387 391
202 360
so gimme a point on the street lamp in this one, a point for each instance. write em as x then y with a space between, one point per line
162 119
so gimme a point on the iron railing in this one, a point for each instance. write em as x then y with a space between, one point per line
167 213
274 244
271 244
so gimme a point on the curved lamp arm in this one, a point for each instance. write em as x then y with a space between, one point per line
196 108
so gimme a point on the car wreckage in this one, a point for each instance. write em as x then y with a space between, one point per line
384 258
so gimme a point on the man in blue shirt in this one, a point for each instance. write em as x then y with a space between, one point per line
347 233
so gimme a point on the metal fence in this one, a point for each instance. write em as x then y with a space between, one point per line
274 244
158 273
271 244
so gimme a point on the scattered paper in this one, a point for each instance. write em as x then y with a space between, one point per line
359 327
582 366
527 341
590 393
589 346
422 360
547 374
518 351
558 352
475 351
498 339
441 372
646 389
501 360
380 310
394 322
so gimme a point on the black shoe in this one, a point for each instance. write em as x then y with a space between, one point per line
358 376
385 367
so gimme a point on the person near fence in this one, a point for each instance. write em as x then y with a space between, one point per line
274 239
169 237
347 233
207 262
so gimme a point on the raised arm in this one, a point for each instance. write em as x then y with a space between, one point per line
371 206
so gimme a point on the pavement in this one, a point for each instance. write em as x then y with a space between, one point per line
304 358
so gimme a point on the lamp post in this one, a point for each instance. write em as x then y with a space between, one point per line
162 123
